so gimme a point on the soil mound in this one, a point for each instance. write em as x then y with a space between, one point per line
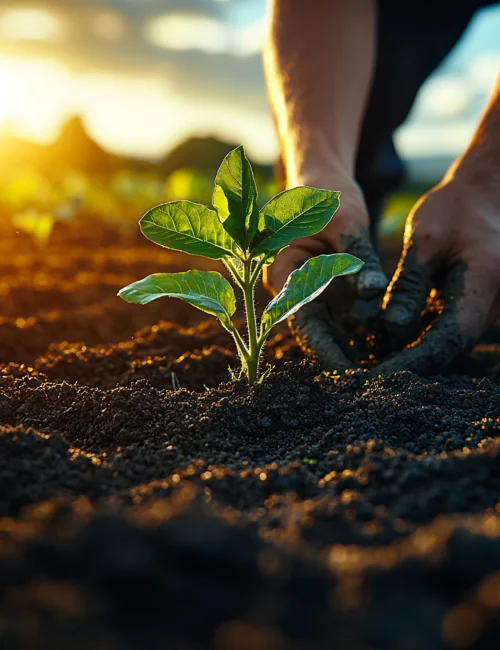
148 503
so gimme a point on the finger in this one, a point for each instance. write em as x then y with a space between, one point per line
320 337
468 301
409 289
371 281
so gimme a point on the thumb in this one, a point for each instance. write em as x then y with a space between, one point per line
371 281
409 289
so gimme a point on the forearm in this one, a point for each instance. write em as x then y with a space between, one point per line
480 162
319 60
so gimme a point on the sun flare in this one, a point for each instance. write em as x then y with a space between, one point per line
31 96
9 90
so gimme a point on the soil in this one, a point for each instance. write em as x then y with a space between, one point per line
146 502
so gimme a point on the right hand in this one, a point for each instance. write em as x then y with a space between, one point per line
317 324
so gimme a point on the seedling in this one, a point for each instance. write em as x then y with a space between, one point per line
245 239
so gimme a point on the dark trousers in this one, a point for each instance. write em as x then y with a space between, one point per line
413 39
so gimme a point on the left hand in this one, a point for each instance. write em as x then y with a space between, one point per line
452 243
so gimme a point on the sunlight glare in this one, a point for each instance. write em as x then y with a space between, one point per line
125 112
8 91
34 95
29 25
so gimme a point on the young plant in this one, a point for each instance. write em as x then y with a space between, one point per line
245 239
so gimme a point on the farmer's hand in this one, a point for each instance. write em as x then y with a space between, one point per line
452 242
317 324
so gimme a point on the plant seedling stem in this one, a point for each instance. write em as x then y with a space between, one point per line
254 348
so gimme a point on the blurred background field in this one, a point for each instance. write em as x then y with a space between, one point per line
108 107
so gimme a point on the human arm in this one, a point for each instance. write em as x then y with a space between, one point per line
319 61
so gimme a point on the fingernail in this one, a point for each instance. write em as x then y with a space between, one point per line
397 314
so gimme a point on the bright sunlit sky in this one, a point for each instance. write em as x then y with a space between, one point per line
145 74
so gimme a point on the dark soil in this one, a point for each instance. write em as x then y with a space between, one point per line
306 513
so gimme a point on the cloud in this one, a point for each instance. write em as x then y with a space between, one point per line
30 24
181 31
146 73
442 100
192 72
174 31
449 104
136 97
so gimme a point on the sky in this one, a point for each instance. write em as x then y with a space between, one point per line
146 74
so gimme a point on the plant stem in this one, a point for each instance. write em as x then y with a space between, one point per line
257 270
240 344
252 364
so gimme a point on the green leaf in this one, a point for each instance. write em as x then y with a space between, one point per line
235 197
299 212
305 284
189 227
206 290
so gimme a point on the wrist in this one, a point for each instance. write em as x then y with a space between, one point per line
312 159
331 175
